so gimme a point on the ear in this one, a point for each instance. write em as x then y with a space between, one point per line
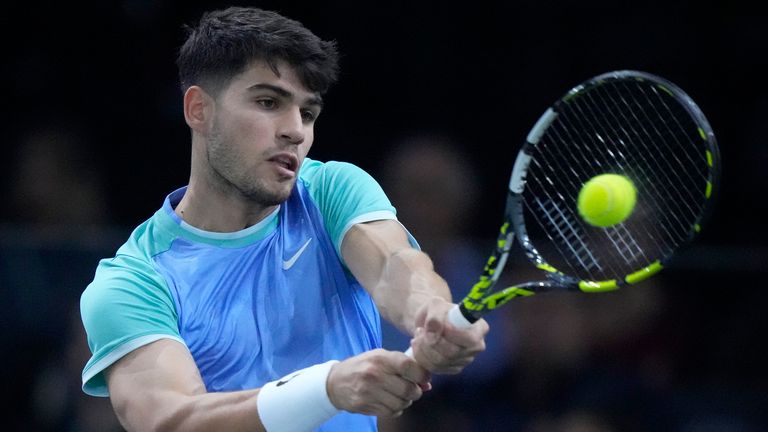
198 109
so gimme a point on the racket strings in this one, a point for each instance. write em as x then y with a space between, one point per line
609 268
674 117
612 163
642 166
638 166
627 127
583 144
555 209
673 210
576 154
625 243
568 234
681 207
665 142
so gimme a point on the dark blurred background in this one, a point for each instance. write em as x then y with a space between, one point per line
432 98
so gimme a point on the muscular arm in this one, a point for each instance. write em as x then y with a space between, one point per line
408 292
158 387
400 278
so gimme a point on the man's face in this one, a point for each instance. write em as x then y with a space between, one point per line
262 129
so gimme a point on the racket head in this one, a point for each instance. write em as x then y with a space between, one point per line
625 122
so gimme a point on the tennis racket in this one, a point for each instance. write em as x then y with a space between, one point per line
625 122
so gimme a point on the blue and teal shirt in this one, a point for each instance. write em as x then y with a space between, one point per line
251 306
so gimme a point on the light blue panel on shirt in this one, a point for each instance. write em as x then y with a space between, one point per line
248 321
127 301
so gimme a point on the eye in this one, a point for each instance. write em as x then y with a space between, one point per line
308 115
267 103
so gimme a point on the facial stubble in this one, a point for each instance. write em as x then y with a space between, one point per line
229 173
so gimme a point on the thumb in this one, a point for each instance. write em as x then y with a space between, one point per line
434 329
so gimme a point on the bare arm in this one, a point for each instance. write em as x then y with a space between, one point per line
409 294
400 278
158 388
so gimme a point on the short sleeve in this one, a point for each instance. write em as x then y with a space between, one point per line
346 195
128 305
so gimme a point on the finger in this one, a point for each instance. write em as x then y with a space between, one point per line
421 317
433 328
395 381
442 357
406 378
403 389
384 404
425 353
470 340
400 364
425 387
393 404
449 348
397 394
413 372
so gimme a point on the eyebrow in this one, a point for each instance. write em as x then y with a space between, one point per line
315 99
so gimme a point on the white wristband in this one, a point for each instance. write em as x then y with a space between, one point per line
298 402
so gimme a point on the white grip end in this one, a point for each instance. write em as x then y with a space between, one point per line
455 317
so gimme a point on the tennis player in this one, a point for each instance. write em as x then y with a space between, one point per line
250 300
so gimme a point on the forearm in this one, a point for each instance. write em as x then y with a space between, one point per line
400 279
232 411
409 294
408 281
158 388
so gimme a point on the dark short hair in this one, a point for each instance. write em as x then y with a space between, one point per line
225 42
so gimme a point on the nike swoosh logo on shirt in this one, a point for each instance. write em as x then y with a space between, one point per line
291 261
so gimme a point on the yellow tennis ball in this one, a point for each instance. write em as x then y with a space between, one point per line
606 200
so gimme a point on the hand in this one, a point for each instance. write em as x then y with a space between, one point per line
441 347
380 383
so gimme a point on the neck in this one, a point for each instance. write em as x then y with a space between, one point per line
211 204
219 212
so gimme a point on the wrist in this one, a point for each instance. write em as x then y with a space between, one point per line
297 402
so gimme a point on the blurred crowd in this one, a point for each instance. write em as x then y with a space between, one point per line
55 227
669 354
682 352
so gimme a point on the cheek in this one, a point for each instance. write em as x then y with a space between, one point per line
248 127
248 137
309 139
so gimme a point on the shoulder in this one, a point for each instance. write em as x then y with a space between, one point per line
130 274
345 194
314 172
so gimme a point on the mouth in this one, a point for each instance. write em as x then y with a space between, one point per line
287 161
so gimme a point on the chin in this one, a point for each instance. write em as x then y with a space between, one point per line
269 196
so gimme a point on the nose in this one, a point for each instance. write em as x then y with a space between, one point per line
291 127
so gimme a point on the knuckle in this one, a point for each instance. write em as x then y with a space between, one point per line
453 351
377 355
369 372
454 370
402 363
478 348
416 394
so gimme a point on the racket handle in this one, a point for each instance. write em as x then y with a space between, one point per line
455 317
